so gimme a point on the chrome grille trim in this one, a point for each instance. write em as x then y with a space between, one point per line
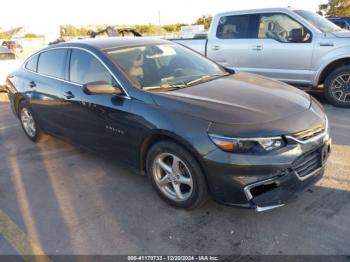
312 139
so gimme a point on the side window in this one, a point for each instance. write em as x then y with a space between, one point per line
283 28
84 68
52 62
341 24
32 63
236 27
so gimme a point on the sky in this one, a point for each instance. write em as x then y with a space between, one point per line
44 13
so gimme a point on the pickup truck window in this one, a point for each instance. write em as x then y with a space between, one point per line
164 66
282 28
236 27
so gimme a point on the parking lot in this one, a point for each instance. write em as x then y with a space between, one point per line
59 199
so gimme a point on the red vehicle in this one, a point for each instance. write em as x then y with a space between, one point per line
13 45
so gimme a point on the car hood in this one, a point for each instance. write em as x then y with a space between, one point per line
240 98
342 34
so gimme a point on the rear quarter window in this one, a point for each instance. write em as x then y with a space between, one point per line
52 63
32 63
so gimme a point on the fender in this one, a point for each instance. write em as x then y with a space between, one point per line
334 55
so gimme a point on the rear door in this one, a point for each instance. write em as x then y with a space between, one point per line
232 45
45 82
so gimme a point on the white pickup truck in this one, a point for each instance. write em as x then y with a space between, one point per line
295 46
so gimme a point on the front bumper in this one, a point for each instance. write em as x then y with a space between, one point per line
266 182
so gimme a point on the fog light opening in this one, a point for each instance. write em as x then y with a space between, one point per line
258 190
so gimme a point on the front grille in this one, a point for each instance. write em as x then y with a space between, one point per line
308 162
309 133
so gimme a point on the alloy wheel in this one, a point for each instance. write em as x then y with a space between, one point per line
172 177
340 88
28 122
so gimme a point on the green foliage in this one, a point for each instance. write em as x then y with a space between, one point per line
173 28
32 35
204 20
70 30
4 35
147 29
335 8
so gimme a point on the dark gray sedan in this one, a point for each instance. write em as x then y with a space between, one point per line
194 127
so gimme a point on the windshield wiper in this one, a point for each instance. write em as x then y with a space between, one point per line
205 78
166 86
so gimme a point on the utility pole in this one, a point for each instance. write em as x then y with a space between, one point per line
160 24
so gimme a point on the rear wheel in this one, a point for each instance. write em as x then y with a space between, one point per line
28 122
176 176
337 87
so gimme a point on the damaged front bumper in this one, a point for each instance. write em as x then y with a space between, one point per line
269 186
276 192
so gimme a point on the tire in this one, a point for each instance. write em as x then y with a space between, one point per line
29 124
340 98
188 177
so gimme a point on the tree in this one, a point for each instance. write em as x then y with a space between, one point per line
147 29
204 20
32 35
173 27
335 8
4 35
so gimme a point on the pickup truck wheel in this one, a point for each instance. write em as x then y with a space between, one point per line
176 176
337 87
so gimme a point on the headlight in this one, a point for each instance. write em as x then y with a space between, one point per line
248 145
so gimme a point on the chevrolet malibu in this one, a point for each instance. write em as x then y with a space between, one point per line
193 127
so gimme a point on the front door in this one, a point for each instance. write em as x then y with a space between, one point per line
277 54
99 122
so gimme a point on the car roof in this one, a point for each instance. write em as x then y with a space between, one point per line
258 10
113 42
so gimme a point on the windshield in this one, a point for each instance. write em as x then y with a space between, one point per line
318 21
164 66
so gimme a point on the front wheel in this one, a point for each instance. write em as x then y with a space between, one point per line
176 175
337 87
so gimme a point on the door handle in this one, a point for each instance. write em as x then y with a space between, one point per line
215 47
68 95
32 84
257 47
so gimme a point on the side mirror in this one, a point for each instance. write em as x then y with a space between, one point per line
296 35
229 70
101 88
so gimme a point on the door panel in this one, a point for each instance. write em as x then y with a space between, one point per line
46 102
99 122
284 61
233 53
